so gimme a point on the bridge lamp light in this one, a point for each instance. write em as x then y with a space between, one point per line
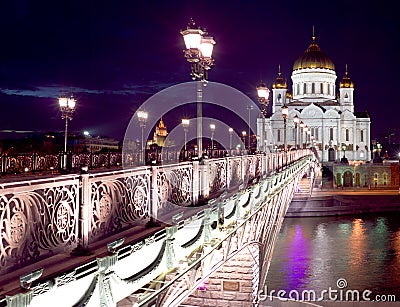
185 125
212 128
296 121
67 108
230 138
198 53
285 113
263 95
142 116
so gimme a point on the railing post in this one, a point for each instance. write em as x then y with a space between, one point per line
153 210
227 172
83 219
204 185
170 247
195 182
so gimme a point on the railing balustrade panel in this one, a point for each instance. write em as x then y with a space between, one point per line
38 218
119 200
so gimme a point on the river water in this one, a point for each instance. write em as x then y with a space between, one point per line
363 252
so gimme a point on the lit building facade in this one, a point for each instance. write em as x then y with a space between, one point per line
335 129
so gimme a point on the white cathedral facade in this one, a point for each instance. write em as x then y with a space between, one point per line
334 129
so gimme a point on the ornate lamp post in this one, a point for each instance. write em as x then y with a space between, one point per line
230 140
198 53
212 128
301 134
285 113
142 115
263 95
296 121
67 108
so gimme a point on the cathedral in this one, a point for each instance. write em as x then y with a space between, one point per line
318 117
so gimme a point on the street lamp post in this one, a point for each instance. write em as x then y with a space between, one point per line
230 140
301 134
212 128
296 121
244 138
198 53
248 123
185 124
305 135
67 108
263 95
142 115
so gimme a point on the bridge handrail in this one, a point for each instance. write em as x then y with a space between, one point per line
105 203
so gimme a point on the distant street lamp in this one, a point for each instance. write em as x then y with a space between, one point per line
285 113
309 136
185 124
142 115
67 108
230 139
296 121
248 123
263 95
305 134
244 138
212 128
198 53
301 134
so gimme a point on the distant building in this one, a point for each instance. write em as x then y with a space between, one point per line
374 175
94 144
160 135
329 115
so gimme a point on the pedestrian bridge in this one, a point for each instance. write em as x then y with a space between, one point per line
81 240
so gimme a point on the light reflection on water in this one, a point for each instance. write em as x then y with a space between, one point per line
313 253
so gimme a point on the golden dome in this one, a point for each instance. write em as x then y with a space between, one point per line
313 57
289 95
279 83
346 81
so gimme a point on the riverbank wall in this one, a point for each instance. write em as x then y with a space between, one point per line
343 204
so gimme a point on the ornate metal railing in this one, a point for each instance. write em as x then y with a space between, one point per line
37 162
41 217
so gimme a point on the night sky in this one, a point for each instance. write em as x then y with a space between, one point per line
113 55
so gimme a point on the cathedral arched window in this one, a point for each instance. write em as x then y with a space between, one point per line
304 88
346 97
278 135
347 135
322 88
313 88
298 89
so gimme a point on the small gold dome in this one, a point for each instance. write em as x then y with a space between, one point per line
346 81
313 57
289 95
279 82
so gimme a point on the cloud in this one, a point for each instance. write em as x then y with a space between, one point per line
54 91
